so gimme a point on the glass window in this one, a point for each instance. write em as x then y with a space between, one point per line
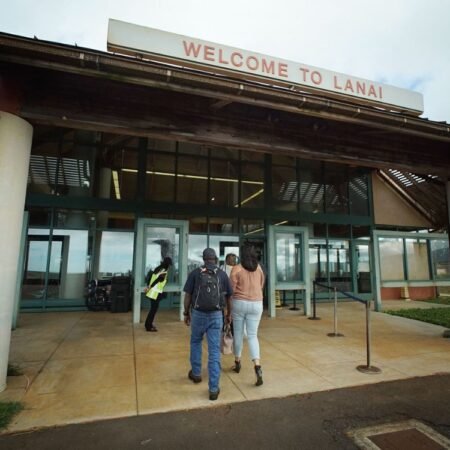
158 144
339 264
192 180
391 259
252 185
318 260
160 177
224 185
252 226
224 245
336 189
33 286
285 187
159 243
197 243
440 258
417 259
223 225
311 187
42 169
358 192
115 255
189 148
68 264
288 257
224 153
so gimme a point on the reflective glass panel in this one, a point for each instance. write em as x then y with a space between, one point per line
197 243
288 257
440 258
161 242
339 264
69 264
252 185
391 259
116 254
224 183
417 259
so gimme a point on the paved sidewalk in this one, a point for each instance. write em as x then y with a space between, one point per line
318 421
83 366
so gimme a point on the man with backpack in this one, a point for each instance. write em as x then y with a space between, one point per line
207 292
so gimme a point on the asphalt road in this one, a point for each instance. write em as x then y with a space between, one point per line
316 421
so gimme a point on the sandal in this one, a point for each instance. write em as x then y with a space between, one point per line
237 366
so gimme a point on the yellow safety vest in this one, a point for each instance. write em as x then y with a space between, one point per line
158 288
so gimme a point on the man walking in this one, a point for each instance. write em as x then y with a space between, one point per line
207 292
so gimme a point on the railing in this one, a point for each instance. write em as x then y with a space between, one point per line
369 369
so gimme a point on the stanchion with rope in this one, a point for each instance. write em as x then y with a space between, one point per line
369 369
314 317
294 308
335 334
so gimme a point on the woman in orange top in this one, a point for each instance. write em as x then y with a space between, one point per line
247 280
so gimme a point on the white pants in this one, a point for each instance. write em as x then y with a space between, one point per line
246 314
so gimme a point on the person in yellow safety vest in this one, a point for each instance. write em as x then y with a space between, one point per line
154 291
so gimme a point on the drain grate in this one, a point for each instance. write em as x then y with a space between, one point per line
411 435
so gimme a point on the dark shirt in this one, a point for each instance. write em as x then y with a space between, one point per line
192 281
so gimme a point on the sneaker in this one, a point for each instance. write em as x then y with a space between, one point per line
214 395
194 378
259 380
153 329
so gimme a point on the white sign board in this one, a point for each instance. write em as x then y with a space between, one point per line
163 46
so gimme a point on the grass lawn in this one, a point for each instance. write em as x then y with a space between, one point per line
439 300
7 411
438 316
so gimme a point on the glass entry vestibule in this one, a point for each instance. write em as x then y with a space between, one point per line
103 205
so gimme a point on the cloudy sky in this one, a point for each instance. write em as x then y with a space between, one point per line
405 43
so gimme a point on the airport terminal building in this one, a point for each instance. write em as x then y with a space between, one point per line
165 145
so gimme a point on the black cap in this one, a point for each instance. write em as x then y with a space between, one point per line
209 254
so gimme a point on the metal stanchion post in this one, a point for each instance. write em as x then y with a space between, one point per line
335 334
294 308
314 317
369 369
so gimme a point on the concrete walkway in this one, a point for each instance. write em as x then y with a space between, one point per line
85 366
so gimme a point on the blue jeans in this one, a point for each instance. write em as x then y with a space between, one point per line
249 313
210 323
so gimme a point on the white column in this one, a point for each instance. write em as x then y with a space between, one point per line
15 149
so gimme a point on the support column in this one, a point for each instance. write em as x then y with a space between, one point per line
15 148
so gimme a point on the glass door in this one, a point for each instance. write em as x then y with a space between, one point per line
288 261
363 272
157 239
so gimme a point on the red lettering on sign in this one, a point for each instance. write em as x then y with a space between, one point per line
316 77
360 88
282 70
349 86
233 59
208 53
304 72
189 47
254 63
372 91
268 67
221 60
335 81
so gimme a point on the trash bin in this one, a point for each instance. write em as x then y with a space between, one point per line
120 295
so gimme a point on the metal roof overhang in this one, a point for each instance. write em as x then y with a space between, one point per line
374 123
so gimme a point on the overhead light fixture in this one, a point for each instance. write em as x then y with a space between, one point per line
115 177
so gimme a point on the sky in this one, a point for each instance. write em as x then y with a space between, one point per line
404 43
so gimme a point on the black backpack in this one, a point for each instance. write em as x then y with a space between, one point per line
209 296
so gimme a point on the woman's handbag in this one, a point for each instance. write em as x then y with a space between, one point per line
226 343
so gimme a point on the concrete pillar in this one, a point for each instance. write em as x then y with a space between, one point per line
15 149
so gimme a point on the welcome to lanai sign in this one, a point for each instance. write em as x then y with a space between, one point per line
182 50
